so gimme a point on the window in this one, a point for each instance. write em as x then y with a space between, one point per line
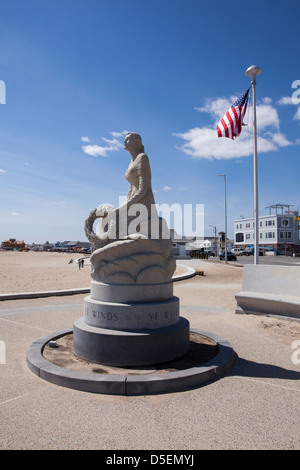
270 235
239 237
247 236
248 225
285 235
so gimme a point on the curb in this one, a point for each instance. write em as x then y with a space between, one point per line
131 385
191 272
33 295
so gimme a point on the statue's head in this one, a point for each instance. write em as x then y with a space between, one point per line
133 139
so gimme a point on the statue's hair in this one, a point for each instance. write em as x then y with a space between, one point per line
138 140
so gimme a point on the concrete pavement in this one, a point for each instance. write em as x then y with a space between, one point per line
256 406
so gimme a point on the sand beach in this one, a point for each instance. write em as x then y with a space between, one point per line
36 271
30 271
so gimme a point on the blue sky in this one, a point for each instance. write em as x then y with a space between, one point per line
78 73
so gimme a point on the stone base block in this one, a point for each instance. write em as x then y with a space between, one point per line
130 348
270 290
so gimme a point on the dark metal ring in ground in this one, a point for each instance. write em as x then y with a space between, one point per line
131 384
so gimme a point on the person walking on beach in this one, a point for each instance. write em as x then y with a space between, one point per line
79 264
82 262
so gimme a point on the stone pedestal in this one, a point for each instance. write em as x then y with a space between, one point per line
131 325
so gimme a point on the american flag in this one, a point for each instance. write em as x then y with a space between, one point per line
232 122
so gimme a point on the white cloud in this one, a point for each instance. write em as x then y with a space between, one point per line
113 144
281 140
267 100
217 107
289 100
285 100
118 134
2 171
99 150
167 188
15 214
203 142
85 139
266 116
95 150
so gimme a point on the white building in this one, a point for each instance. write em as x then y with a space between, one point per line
278 231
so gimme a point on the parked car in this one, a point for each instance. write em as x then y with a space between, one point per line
270 250
230 256
210 253
250 251
237 251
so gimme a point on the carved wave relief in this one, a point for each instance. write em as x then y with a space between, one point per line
134 260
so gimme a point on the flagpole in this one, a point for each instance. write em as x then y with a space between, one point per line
226 250
252 72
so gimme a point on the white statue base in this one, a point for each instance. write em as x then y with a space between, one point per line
131 325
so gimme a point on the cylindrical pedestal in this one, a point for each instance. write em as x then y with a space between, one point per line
130 348
131 316
117 331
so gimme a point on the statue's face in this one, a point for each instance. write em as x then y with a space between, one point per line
129 142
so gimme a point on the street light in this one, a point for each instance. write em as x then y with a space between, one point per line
225 217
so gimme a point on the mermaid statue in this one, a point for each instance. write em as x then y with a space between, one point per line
133 244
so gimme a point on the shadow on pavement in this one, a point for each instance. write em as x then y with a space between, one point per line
246 368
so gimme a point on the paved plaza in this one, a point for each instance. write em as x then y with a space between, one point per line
255 406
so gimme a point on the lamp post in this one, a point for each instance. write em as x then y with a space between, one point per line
252 72
225 218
